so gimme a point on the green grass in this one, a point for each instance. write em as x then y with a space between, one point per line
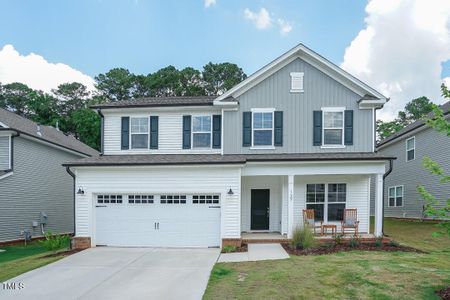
346 275
18 259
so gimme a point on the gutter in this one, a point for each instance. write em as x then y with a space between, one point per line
73 190
391 165
102 129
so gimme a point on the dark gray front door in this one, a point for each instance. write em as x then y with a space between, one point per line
260 200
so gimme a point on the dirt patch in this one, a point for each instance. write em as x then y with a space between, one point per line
63 253
444 293
322 250
242 248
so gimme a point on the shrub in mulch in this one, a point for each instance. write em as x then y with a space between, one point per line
232 249
63 253
334 248
444 293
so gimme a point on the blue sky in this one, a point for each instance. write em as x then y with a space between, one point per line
400 47
143 36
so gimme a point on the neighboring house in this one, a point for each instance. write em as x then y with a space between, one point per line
200 171
410 145
33 183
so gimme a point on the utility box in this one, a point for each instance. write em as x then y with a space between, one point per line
43 218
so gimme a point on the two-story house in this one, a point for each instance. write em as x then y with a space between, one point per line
202 171
410 145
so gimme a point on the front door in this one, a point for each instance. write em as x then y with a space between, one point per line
260 200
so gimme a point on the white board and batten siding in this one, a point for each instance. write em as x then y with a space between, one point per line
179 180
170 135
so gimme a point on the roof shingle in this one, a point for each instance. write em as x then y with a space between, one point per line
159 101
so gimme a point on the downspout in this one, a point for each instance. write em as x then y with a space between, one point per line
391 164
102 127
73 190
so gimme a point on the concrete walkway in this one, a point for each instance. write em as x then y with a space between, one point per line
120 273
256 252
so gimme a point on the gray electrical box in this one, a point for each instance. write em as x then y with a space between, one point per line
43 218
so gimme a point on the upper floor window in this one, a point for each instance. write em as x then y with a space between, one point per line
296 82
262 128
139 133
333 126
396 196
201 132
410 149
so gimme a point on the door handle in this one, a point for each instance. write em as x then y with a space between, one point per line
268 211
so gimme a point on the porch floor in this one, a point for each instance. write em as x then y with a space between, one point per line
276 237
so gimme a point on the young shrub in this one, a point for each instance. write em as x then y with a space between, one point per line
338 239
55 242
354 242
229 249
393 243
302 238
379 242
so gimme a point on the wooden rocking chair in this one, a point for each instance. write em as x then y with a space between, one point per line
350 220
309 220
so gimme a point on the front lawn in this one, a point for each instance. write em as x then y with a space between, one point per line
18 259
346 275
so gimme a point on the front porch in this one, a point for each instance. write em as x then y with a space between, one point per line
276 237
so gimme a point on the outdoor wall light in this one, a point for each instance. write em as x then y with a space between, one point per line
80 191
230 192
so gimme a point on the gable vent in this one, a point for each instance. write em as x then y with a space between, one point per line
296 82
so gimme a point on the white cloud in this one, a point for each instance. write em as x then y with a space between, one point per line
285 26
261 19
36 72
401 50
209 3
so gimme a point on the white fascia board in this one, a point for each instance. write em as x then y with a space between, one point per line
312 58
142 110
369 104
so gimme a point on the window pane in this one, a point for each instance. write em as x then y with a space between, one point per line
320 197
310 197
332 136
320 188
201 140
410 154
399 201
139 125
201 123
332 188
262 137
318 211
336 212
391 201
332 197
341 197
399 191
267 120
342 187
392 192
310 188
257 120
410 144
333 119
139 141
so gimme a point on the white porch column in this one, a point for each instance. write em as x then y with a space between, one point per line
290 210
378 204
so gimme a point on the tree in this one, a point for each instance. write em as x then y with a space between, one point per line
116 84
439 122
15 97
385 129
87 126
44 109
165 82
191 83
221 77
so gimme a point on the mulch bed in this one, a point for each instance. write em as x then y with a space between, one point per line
321 250
444 293
242 248
63 253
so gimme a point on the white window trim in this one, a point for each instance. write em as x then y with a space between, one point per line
263 147
414 148
395 196
148 132
210 132
333 109
298 75
325 202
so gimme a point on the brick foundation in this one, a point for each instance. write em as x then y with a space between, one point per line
232 242
81 242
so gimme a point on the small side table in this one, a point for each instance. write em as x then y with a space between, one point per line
325 228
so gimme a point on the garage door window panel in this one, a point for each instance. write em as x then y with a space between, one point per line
109 199
140 199
205 199
173 199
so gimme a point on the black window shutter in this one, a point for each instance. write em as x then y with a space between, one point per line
348 124
125 136
278 128
247 129
317 123
217 128
186 132
154 120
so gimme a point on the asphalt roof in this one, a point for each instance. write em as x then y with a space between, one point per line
419 123
159 101
193 159
48 133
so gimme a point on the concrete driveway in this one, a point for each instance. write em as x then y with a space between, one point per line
120 273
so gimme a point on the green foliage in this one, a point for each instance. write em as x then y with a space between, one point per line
302 238
354 242
53 242
219 272
229 248
116 84
329 245
221 77
385 129
393 243
338 239
16 97
379 242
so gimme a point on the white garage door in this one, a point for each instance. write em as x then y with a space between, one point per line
181 220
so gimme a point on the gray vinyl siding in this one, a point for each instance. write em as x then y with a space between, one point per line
4 153
39 183
320 90
411 174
